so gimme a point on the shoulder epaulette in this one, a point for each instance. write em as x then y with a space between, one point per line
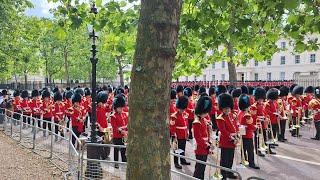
220 117
174 115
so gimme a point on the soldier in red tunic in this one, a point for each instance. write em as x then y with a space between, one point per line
87 105
172 109
246 119
190 110
181 128
235 95
213 111
77 116
271 111
35 105
296 109
201 134
251 96
119 124
314 105
46 109
68 106
25 108
309 91
282 108
16 106
58 113
229 137
179 91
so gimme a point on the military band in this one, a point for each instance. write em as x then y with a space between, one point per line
252 119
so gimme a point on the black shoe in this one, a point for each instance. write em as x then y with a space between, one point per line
285 139
190 137
116 166
232 176
276 144
282 140
178 166
315 138
271 152
272 146
260 154
254 166
185 163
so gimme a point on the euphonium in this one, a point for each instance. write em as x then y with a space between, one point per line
107 135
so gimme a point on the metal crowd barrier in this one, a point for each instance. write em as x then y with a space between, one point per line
72 160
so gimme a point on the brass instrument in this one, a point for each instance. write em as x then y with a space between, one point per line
261 146
272 140
107 138
217 174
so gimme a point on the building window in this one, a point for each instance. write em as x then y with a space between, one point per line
223 64
283 45
204 78
297 59
269 62
269 76
223 77
312 58
213 77
214 65
256 63
282 76
283 60
256 76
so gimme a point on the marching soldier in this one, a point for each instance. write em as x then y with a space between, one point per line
68 106
235 95
87 105
119 121
35 105
46 109
190 110
25 108
282 108
296 109
229 137
77 116
16 106
309 91
181 128
314 105
213 112
179 90
251 96
201 134
58 114
246 120
271 113
172 109
244 89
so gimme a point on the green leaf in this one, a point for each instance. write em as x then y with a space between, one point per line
99 3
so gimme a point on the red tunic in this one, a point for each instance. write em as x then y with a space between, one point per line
77 119
26 107
16 104
102 116
87 104
118 120
35 107
295 106
68 107
314 104
58 111
214 106
227 126
306 101
201 136
46 109
180 124
172 109
248 122
190 110
270 109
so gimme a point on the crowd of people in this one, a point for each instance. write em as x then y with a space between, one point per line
225 117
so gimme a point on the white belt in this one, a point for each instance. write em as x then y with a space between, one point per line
181 127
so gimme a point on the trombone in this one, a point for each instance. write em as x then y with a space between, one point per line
269 130
261 144
242 131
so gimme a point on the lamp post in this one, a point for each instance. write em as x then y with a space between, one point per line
93 169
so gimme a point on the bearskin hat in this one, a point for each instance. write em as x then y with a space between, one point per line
266 88
292 87
119 101
16 93
236 93
173 94
69 94
45 94
244 102
230 90
203 94
35 93
196 87
317 92
251 89
187 92
68 88
221 89
297 90
79 91
259 93
76 98
4 92
244 89
212 90
109 89
204 105
119 90
284 91
277 87
24 94
182 102
179 89
202 90
309 89
225 101
102 97
57 96
273 94
56 89
87 92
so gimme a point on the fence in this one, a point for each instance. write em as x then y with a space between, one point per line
74 162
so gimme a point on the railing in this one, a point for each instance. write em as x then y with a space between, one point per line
74 161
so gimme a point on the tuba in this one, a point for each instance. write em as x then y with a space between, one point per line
107 135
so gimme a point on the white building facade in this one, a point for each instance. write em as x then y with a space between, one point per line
284 65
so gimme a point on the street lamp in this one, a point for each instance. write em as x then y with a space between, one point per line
93 169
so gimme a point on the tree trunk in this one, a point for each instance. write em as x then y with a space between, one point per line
25 80
231 66
16 80
66 66
120 71
148 141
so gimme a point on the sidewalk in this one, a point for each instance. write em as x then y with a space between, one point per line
19 163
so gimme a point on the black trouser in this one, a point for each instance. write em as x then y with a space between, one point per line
76 132
87 119
265 135
190 121
36 117
317 125
295 131
282 129
104 152
16 117
44 124
200 168
26 119
275 130
56 128
68 122
213 121
256 140
248 150
119 141
227 155
306 113
182 146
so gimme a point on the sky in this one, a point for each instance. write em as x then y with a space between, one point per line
41 8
